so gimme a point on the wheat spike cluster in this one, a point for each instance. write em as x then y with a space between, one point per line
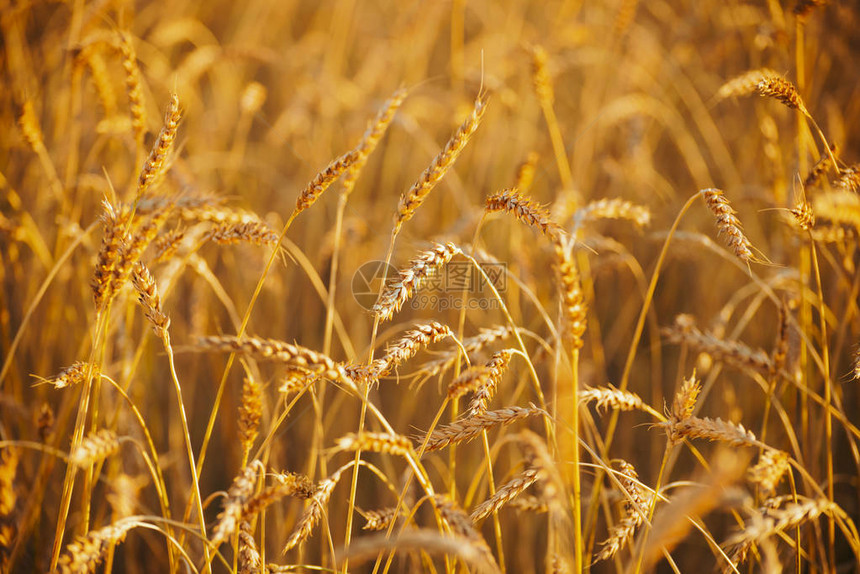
444 287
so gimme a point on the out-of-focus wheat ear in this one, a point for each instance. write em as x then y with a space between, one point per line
411 278
69 376
615 208
743 84
372 135
379 519
728 224
506 493
850 179
314 511
323 180
415 196
30 129
684 331
253 232
154 165
167 244
822 165
768 472
541 77
101 80
94 448
573 305
685 400
781 89
249 556
376 442
45 423
408 346
86 553
133 87
9 457
237 495
125 494
250 412
469 428
526 172
460 523
534 215
147 291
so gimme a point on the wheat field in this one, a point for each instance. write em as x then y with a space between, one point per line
457 286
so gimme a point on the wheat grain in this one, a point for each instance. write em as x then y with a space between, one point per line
254 232
379 519
70 376
768 472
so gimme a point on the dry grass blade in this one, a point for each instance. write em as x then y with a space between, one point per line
412 199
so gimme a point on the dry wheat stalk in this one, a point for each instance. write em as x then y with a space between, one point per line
612 209
486 387
376 442
240 491
729 225
323 180
69 376
782 90
84 554
744 84
732 352
768 472
292 355
467 429
253 232
155 163
411 278
379 519
506 493
95 447
250 412
534 215
149 298
314 511
133 87
412 199
372 135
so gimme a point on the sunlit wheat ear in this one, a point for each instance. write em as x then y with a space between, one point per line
375 130
573 305
411 278
782 90
744 84
622 533
615 208
314 511
685 400
114 220
253 232
804 216
534 215
154 165
487 375
406 348
379 519
471 427
505 494
147 290
133 87
486 389
729 225
526 172
824 163
249 556
86 553
70 376
291 355
240 491
323 180
716 430
29 124
94 448
415 196
250 412
735 353
769 520
609 397
386 443
768 472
